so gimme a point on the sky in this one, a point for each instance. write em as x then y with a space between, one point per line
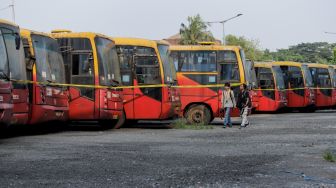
275 24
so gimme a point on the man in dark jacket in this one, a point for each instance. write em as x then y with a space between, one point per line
244 104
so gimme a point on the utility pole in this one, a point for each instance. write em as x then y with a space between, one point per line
223 23
13 10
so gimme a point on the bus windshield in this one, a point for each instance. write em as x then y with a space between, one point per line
279 77
307 76
15 56
266 79
168 65
3 58
49 62
109 68
248 67
333 76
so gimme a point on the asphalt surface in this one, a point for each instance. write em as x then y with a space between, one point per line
277 150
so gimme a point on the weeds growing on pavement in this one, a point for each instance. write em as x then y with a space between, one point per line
182 124
329 156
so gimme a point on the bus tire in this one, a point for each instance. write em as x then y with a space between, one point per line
198 114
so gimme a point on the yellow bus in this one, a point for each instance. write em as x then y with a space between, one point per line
13 92
146 68
45 67
299 85
92 66
203 70
323 85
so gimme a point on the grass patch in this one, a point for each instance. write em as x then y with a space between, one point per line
329 156
182 124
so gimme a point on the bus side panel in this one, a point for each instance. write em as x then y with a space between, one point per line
21 106
167 106
6 106
295 100
80 108
334 97
323 100
146 107
266 104
128 95
197 95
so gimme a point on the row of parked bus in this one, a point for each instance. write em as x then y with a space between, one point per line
292 85
68 76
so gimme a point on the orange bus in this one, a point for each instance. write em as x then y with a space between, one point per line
45 67
92 66
202 71
13 88
146 69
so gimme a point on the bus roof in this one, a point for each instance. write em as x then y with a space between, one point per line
203 47
263 64
287 63
137 42
27 33
70 34
8 23
316 65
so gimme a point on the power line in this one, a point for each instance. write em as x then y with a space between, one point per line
4 8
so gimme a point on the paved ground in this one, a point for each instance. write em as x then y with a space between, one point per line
274 152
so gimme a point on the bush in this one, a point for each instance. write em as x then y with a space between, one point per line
329 156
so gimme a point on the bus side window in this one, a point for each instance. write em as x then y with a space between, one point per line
81 64
228 62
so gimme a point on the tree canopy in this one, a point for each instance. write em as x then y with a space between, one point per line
195 31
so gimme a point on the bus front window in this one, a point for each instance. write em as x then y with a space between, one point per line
168 65
3 58
49 62
279 78
308 76
248 67
109 68
15 56
266 79
334 77
228 62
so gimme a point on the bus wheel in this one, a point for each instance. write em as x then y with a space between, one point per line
198 114
121 121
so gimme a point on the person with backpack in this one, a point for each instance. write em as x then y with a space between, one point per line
244 104
228 102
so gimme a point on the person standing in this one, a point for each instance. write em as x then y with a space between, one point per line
244 104
228 102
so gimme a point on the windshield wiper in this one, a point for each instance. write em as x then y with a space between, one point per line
4 76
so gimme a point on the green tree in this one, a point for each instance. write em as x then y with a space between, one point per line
251 47
195 31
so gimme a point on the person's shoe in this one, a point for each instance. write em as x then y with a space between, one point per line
247 124
224 127
230 126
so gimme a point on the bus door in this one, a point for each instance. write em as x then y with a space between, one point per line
267 86
125 54
228 70
294 84
323 86
79 66
147 101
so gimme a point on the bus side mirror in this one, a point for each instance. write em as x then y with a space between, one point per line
17 41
